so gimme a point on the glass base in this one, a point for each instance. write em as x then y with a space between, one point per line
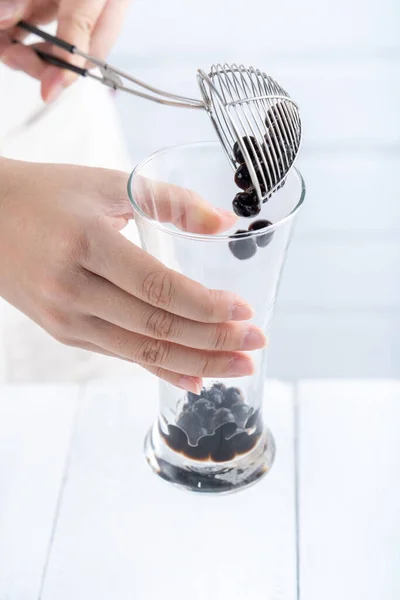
207 476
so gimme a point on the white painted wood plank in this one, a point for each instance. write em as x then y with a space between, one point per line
330 344
35 430
349 459
123 533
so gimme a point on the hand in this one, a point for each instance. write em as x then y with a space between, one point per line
64 263
91 25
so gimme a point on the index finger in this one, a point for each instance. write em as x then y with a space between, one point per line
184 208
11 13
77 20
135 271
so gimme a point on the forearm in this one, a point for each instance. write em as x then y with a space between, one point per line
7 190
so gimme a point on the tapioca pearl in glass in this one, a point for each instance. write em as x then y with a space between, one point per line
232 396
252 420
222 416
205 258
215 395
191 424
192 398
242 413
177 438
205 410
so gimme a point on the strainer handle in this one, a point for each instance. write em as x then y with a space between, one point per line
110 76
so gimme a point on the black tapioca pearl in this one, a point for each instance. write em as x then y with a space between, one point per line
241 412
246 204
205 410
262 240
250 143
232 396
222 416
242 246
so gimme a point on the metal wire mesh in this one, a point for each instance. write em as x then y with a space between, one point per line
255 119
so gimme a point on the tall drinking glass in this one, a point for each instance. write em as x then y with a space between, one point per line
218 442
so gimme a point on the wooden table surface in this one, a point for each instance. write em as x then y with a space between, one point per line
82 516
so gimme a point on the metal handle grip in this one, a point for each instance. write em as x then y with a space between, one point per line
59 62
48 37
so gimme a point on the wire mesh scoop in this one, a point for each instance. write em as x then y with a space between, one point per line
256 120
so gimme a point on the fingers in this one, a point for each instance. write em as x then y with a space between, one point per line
141 275
108 27
77 20
113 305
189 384
187 210
11 11
5 42
169 356
24 58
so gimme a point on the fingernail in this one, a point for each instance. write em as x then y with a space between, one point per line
254 339
9 11
55 92
241 366
241 312
190 385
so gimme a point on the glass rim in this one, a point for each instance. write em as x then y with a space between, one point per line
203 236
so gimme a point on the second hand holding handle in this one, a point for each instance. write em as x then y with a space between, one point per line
59 62
110 76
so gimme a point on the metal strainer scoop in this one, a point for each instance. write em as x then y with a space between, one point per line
256 120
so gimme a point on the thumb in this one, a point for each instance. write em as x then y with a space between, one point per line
11 11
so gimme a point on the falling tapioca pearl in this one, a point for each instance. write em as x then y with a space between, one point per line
242 248
262 240
246 204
